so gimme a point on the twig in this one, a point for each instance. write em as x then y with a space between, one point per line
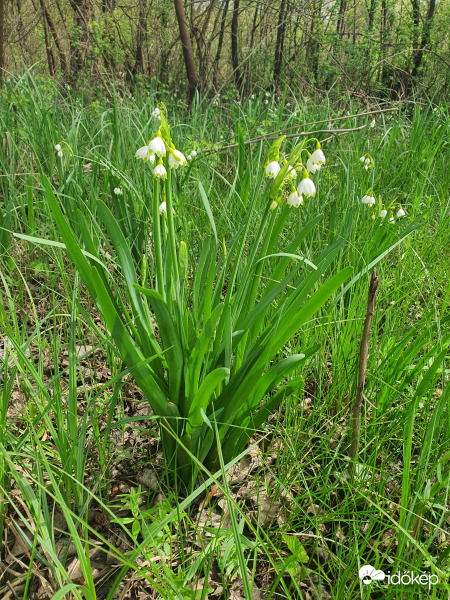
275 134
363 356
271 136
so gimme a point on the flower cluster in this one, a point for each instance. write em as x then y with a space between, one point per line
367 161
59 151
156 113
306 187
158 148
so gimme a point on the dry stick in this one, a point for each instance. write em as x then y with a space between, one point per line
363 356
280 131
270 136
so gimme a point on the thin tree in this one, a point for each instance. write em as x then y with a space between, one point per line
426 34
278 59
188 52
234 45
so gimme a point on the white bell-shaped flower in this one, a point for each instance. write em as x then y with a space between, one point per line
58 147
157 146
366 199
311 167
317 157
291 173
295 199
383 213
142 153
272 169
160 172
176 159
163 208
306 187
117 191
401 212
60 153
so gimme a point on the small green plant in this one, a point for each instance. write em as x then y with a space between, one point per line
206 345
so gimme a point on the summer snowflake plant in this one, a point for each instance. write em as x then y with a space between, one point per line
212 365
368 199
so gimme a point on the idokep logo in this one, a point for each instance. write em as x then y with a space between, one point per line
367 574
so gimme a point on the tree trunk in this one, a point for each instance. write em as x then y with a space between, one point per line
340 21
50 57
220 42
371 14
278 60
81 18
52 28
140 39
426 33
234 45
188 52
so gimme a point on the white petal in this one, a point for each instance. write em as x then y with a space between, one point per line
157 146
272 169
306 187
295 199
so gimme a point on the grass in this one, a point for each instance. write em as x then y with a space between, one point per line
88 509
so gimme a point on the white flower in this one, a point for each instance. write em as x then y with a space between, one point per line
266 101
367 161
295 199
392 220
272 169
253 96
291 173
156 113
189 157
117 191
60 153
194 152
312 168
366 167
401 212
160 172
163 208
268 94
176 159
142 153
157 146
362 159
383 213
317 157
372 124
306 187
58 147
368 199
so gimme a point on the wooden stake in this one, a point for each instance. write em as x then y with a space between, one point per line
363 356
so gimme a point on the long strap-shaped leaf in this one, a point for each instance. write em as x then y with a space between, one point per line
142 319
171 341
127 347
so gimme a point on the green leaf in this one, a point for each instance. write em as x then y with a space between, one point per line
205 200
171 342
296 548
202 397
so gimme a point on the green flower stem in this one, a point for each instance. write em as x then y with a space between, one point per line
172 240
157 240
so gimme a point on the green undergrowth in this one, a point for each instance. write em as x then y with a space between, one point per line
88 508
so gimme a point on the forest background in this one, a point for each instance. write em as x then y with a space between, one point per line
371 47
